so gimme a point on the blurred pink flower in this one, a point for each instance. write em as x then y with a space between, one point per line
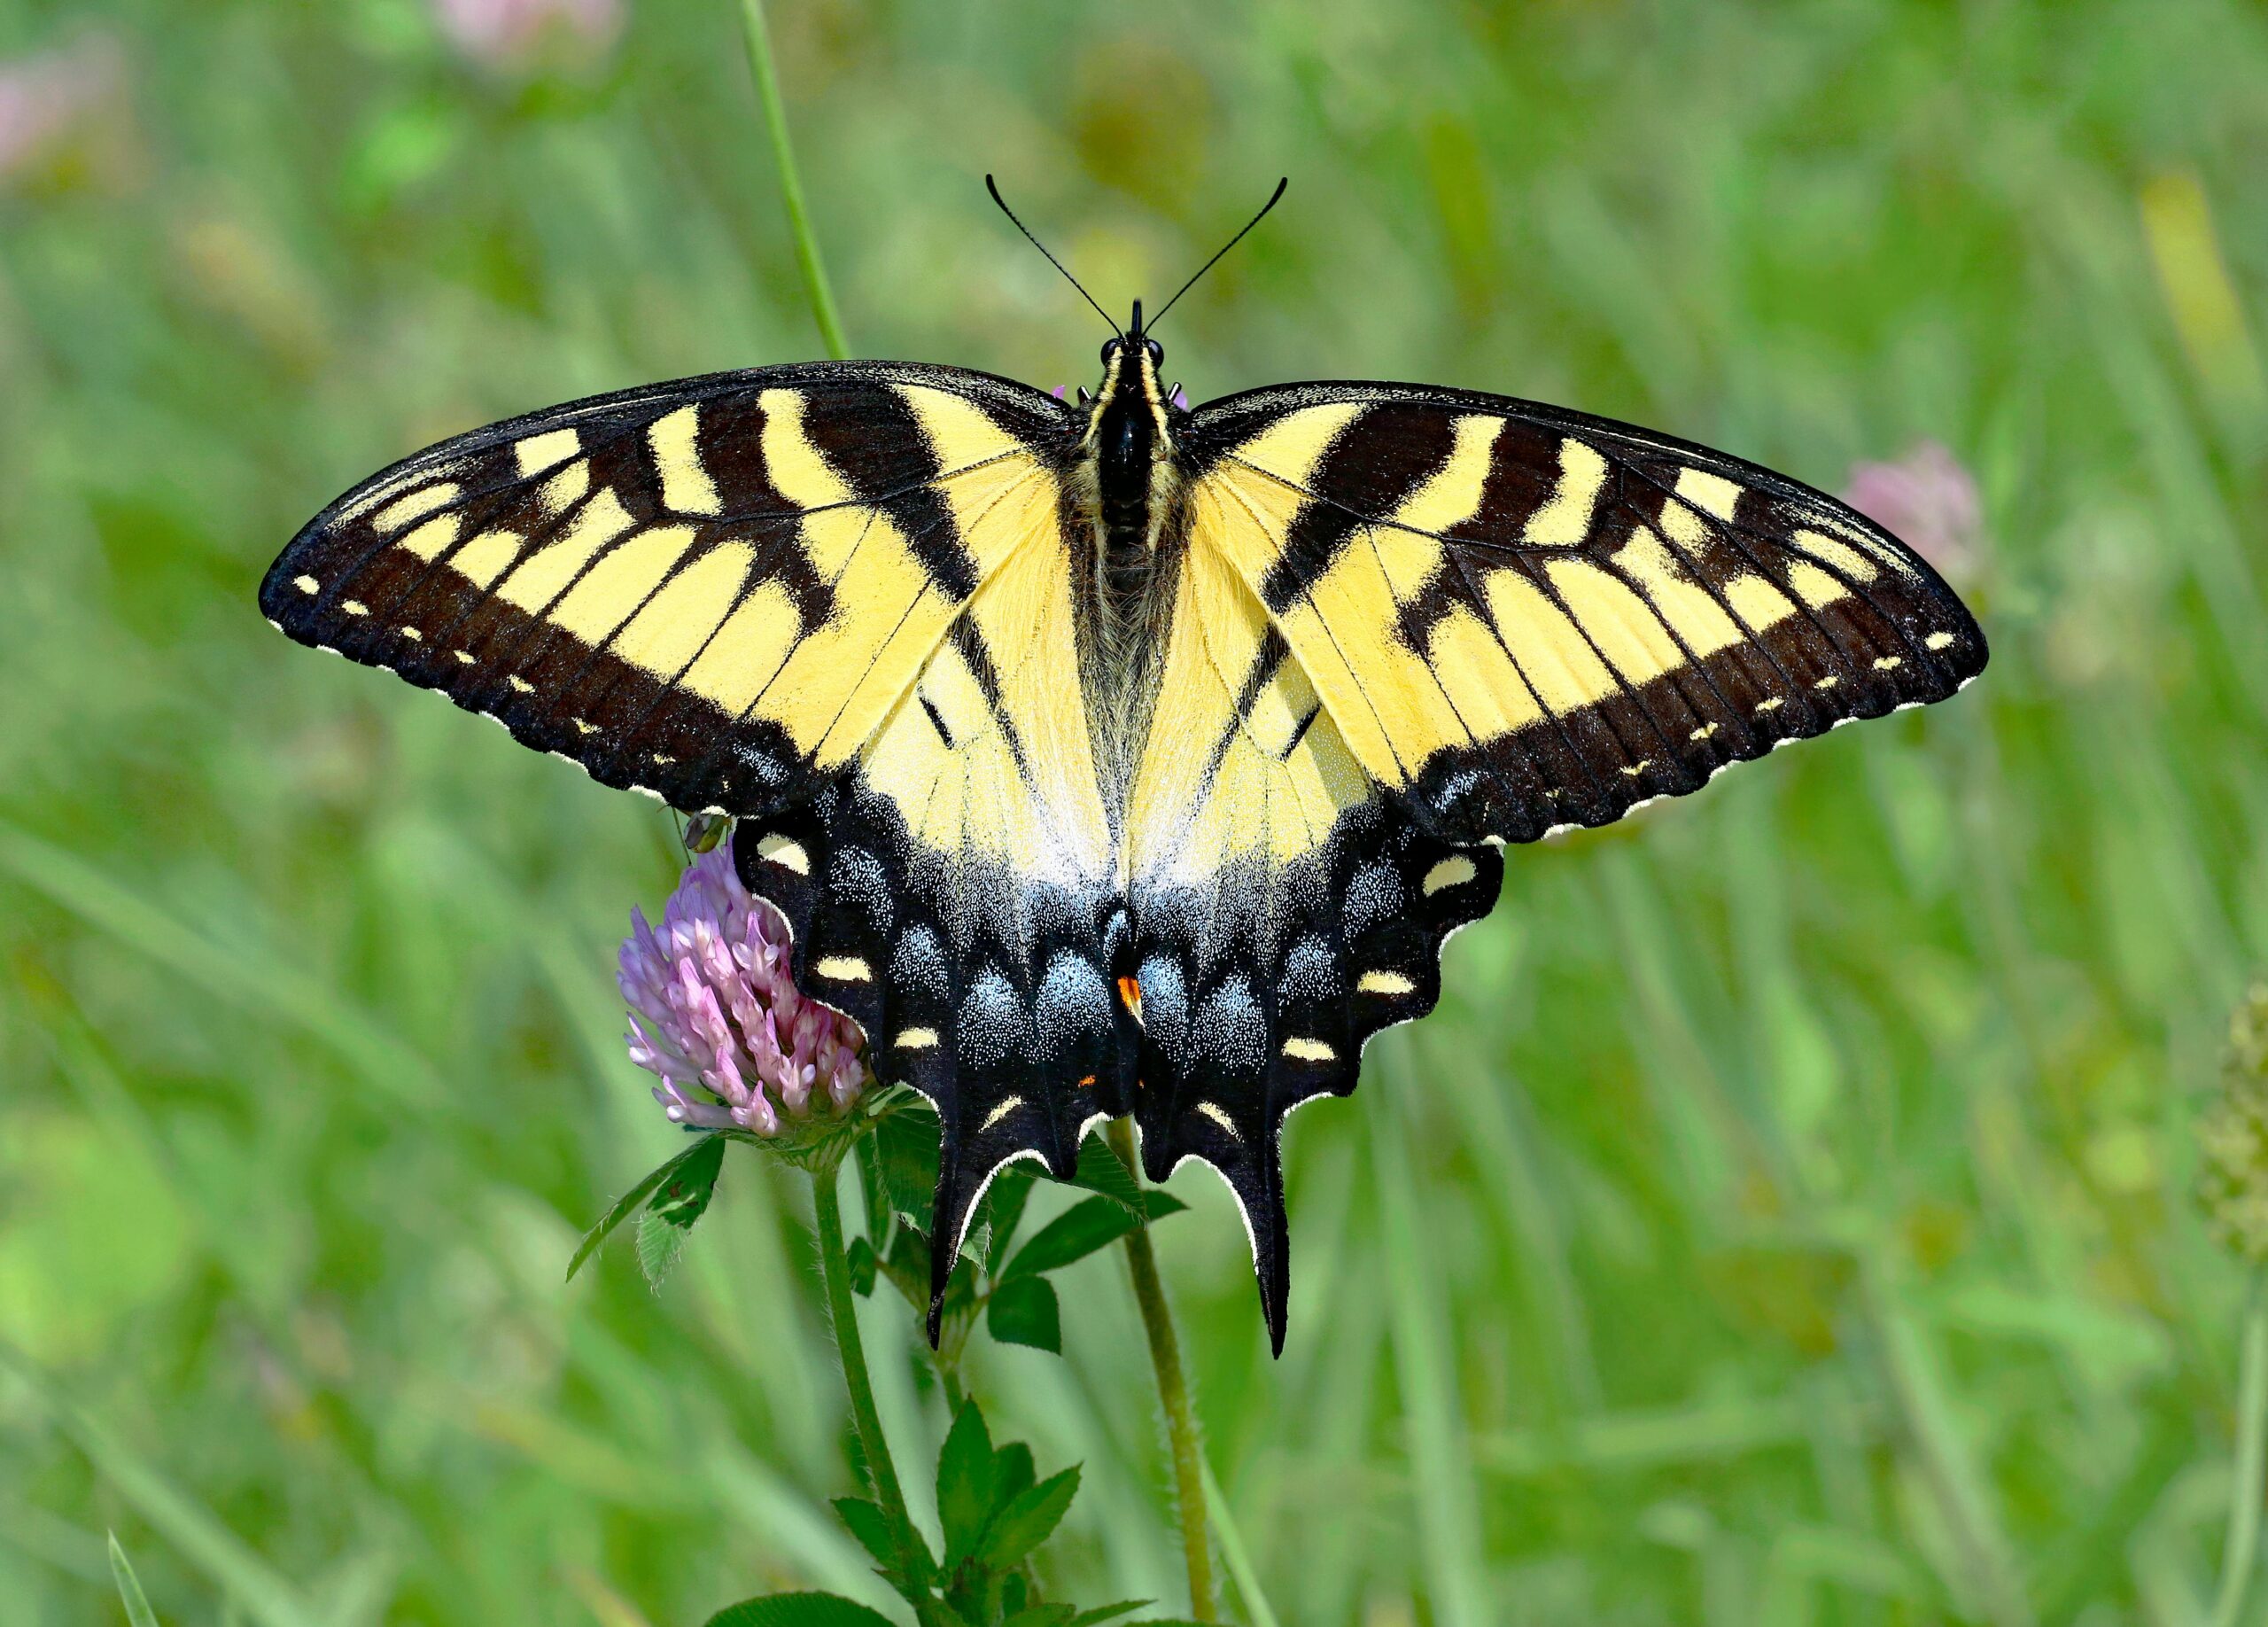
1929 500
715 1013
507 33
57 102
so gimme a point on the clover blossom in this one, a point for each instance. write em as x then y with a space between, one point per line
715 1013
63 108
1929 500
508 34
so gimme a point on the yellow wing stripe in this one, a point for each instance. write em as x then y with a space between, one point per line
538 453
545 574
1452 495
664 638
674 439
1213 789
1565 519
606 595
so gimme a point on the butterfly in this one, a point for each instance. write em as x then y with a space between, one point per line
1113 756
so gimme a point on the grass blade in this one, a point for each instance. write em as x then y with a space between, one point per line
264 987
1235 1557
139 1613
1447 1497
225 1558
791 186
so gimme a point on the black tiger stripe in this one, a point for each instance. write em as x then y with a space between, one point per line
1380 458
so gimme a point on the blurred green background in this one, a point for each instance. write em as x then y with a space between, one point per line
1785 1219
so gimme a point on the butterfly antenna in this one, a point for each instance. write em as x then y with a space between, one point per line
1225 247
1042 247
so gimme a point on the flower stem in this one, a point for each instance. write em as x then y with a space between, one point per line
791 186
1181 1419
2241 1550
882 1474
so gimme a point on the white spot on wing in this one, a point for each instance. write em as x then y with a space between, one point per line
1384 983
916 1039
1301 1050
844 968
995 1115
1219 1115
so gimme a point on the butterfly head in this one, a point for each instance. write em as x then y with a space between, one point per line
1130 368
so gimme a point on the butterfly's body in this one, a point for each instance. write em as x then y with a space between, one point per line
1121 757
1124 487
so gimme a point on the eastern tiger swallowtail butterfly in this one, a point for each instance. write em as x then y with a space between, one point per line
1121 757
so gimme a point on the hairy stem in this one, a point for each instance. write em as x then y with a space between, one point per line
1181 1419
865 1418
2240 1553
791 186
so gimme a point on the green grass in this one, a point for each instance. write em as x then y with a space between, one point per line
1784 1220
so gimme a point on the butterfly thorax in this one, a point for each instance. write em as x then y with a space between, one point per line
1134 485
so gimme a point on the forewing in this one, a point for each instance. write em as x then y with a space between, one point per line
712 590
1525 619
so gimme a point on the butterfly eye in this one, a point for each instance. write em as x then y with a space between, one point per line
1157 351
1108 347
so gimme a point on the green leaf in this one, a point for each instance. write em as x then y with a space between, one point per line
129 1587
625 1206
1094 1223
1011 1473
1027 1520
1041 1615
906 1139
679 1200
859 1257
1101 1170
798 1610
684 1196
1004 1210
873 1191
965 1484
871 1526
1108 1613
660 1246
1024 1311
